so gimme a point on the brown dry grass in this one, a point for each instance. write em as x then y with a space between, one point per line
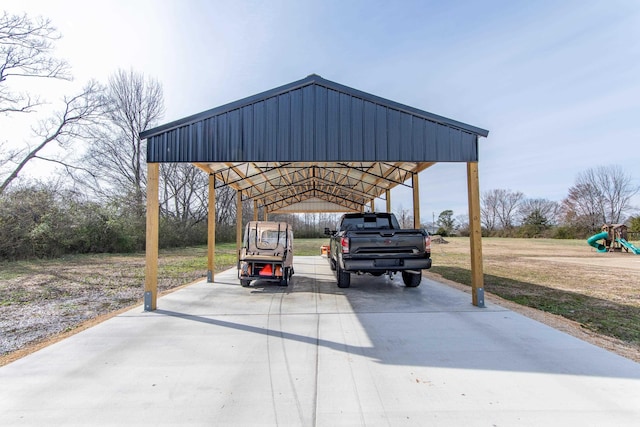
595 296
41 300
566 284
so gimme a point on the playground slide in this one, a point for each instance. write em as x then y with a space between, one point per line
593 241
629 246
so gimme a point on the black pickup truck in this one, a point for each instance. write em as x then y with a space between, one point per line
374 243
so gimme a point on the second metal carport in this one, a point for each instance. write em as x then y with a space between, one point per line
311 146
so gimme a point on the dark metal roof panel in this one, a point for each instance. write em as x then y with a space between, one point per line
313 120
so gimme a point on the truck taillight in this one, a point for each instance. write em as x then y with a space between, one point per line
427 243
344 242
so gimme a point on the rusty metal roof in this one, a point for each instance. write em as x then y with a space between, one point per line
313 145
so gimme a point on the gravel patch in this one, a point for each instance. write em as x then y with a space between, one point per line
43 300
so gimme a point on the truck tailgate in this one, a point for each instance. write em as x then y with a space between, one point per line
386 243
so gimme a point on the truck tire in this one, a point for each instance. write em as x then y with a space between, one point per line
344 278
332 264
411 280
245 283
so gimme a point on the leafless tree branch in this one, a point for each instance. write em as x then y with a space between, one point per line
26 47
68 167
600 195
79 112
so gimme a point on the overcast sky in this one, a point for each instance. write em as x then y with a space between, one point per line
557 83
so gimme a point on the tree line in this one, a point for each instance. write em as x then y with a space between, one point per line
96 199
600 195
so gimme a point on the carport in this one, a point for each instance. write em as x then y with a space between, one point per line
311 146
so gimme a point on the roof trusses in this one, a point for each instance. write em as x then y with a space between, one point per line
313 145
303 186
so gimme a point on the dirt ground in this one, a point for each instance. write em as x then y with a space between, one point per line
44 301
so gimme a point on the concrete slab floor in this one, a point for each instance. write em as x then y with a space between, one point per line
311 354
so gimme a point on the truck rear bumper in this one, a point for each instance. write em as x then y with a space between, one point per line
386 264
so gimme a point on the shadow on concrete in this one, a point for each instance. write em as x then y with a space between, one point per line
265 331
432 325
607 317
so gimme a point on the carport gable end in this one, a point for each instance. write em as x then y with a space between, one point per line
315 122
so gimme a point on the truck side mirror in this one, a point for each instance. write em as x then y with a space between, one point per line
327 231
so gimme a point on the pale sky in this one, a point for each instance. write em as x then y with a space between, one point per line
557 83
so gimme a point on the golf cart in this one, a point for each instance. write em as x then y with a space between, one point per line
266 253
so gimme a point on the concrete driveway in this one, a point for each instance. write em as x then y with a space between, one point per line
376 354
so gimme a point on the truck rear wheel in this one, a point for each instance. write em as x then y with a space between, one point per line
344 278
245 283
411 280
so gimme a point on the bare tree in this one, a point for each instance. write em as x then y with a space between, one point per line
184 192
600 195
26 47
617 190
541 208
583 206
489 209
225 206
499 207
118 155
462 226
405 219
79 113
508 207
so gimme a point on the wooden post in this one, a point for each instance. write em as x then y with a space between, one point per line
265 214
416 200
211 230
255 210
477 274
388 197
239 221
373 205
151 254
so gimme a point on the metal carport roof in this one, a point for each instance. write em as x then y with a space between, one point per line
313 145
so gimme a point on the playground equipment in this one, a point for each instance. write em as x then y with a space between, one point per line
615 239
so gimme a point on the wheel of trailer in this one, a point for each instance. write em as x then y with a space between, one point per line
344 278
411 280
245 283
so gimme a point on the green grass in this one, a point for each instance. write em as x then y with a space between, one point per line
308 247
